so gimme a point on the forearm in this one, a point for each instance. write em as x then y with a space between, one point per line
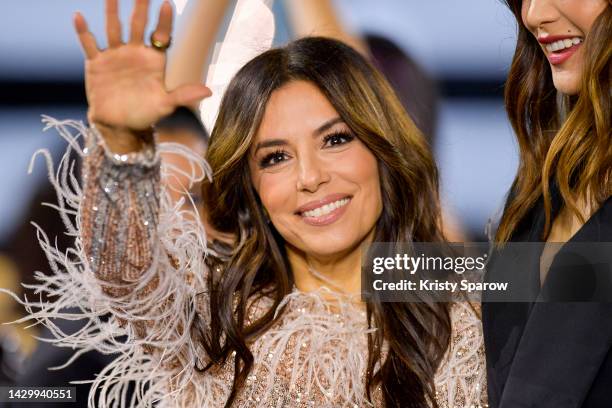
198 27
319 18
119 211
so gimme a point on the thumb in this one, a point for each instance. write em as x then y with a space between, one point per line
189 95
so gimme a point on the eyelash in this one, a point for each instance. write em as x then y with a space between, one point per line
336 135
266 161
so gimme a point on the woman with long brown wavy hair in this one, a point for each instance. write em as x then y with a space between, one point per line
312 157
552 353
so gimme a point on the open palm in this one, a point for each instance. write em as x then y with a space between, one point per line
125 83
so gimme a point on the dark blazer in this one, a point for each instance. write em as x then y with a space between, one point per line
549 354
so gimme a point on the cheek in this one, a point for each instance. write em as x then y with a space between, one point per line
360 167
524 9
276 192
585 12
368 172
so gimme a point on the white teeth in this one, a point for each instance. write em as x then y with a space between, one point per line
326 209
563 44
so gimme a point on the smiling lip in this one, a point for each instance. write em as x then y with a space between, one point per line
552 38
311 205
556 58
327 218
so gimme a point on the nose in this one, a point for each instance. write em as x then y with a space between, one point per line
312 173
538 13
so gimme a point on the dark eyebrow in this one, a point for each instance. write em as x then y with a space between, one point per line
327 125
269 143
283 142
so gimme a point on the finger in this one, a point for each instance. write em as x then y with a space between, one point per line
113 25
188 95
163 31
88 41
139 21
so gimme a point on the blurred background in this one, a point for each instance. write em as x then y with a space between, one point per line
462 48
465 47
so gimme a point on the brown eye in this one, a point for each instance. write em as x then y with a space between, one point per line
272 159
338 138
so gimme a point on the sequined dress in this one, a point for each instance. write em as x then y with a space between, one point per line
139 258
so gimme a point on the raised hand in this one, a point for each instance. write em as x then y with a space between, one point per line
125 83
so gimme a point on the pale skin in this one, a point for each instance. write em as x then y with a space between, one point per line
567 18
126 92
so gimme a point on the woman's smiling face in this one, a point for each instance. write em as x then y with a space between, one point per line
560 26
317 181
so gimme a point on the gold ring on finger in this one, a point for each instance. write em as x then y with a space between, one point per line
158 45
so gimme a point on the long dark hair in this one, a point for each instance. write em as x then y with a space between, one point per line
562 139
417 334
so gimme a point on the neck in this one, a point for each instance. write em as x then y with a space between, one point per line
339 272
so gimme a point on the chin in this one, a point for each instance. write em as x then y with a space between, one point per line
567 84
326 246
327 249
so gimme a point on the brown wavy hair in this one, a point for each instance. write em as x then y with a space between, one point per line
417 333
562 139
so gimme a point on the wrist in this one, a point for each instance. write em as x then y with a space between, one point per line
121 140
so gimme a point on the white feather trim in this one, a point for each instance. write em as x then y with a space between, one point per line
315 354
77 294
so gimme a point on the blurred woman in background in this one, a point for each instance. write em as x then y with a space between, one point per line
558 97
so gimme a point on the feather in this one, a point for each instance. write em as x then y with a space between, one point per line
314 354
